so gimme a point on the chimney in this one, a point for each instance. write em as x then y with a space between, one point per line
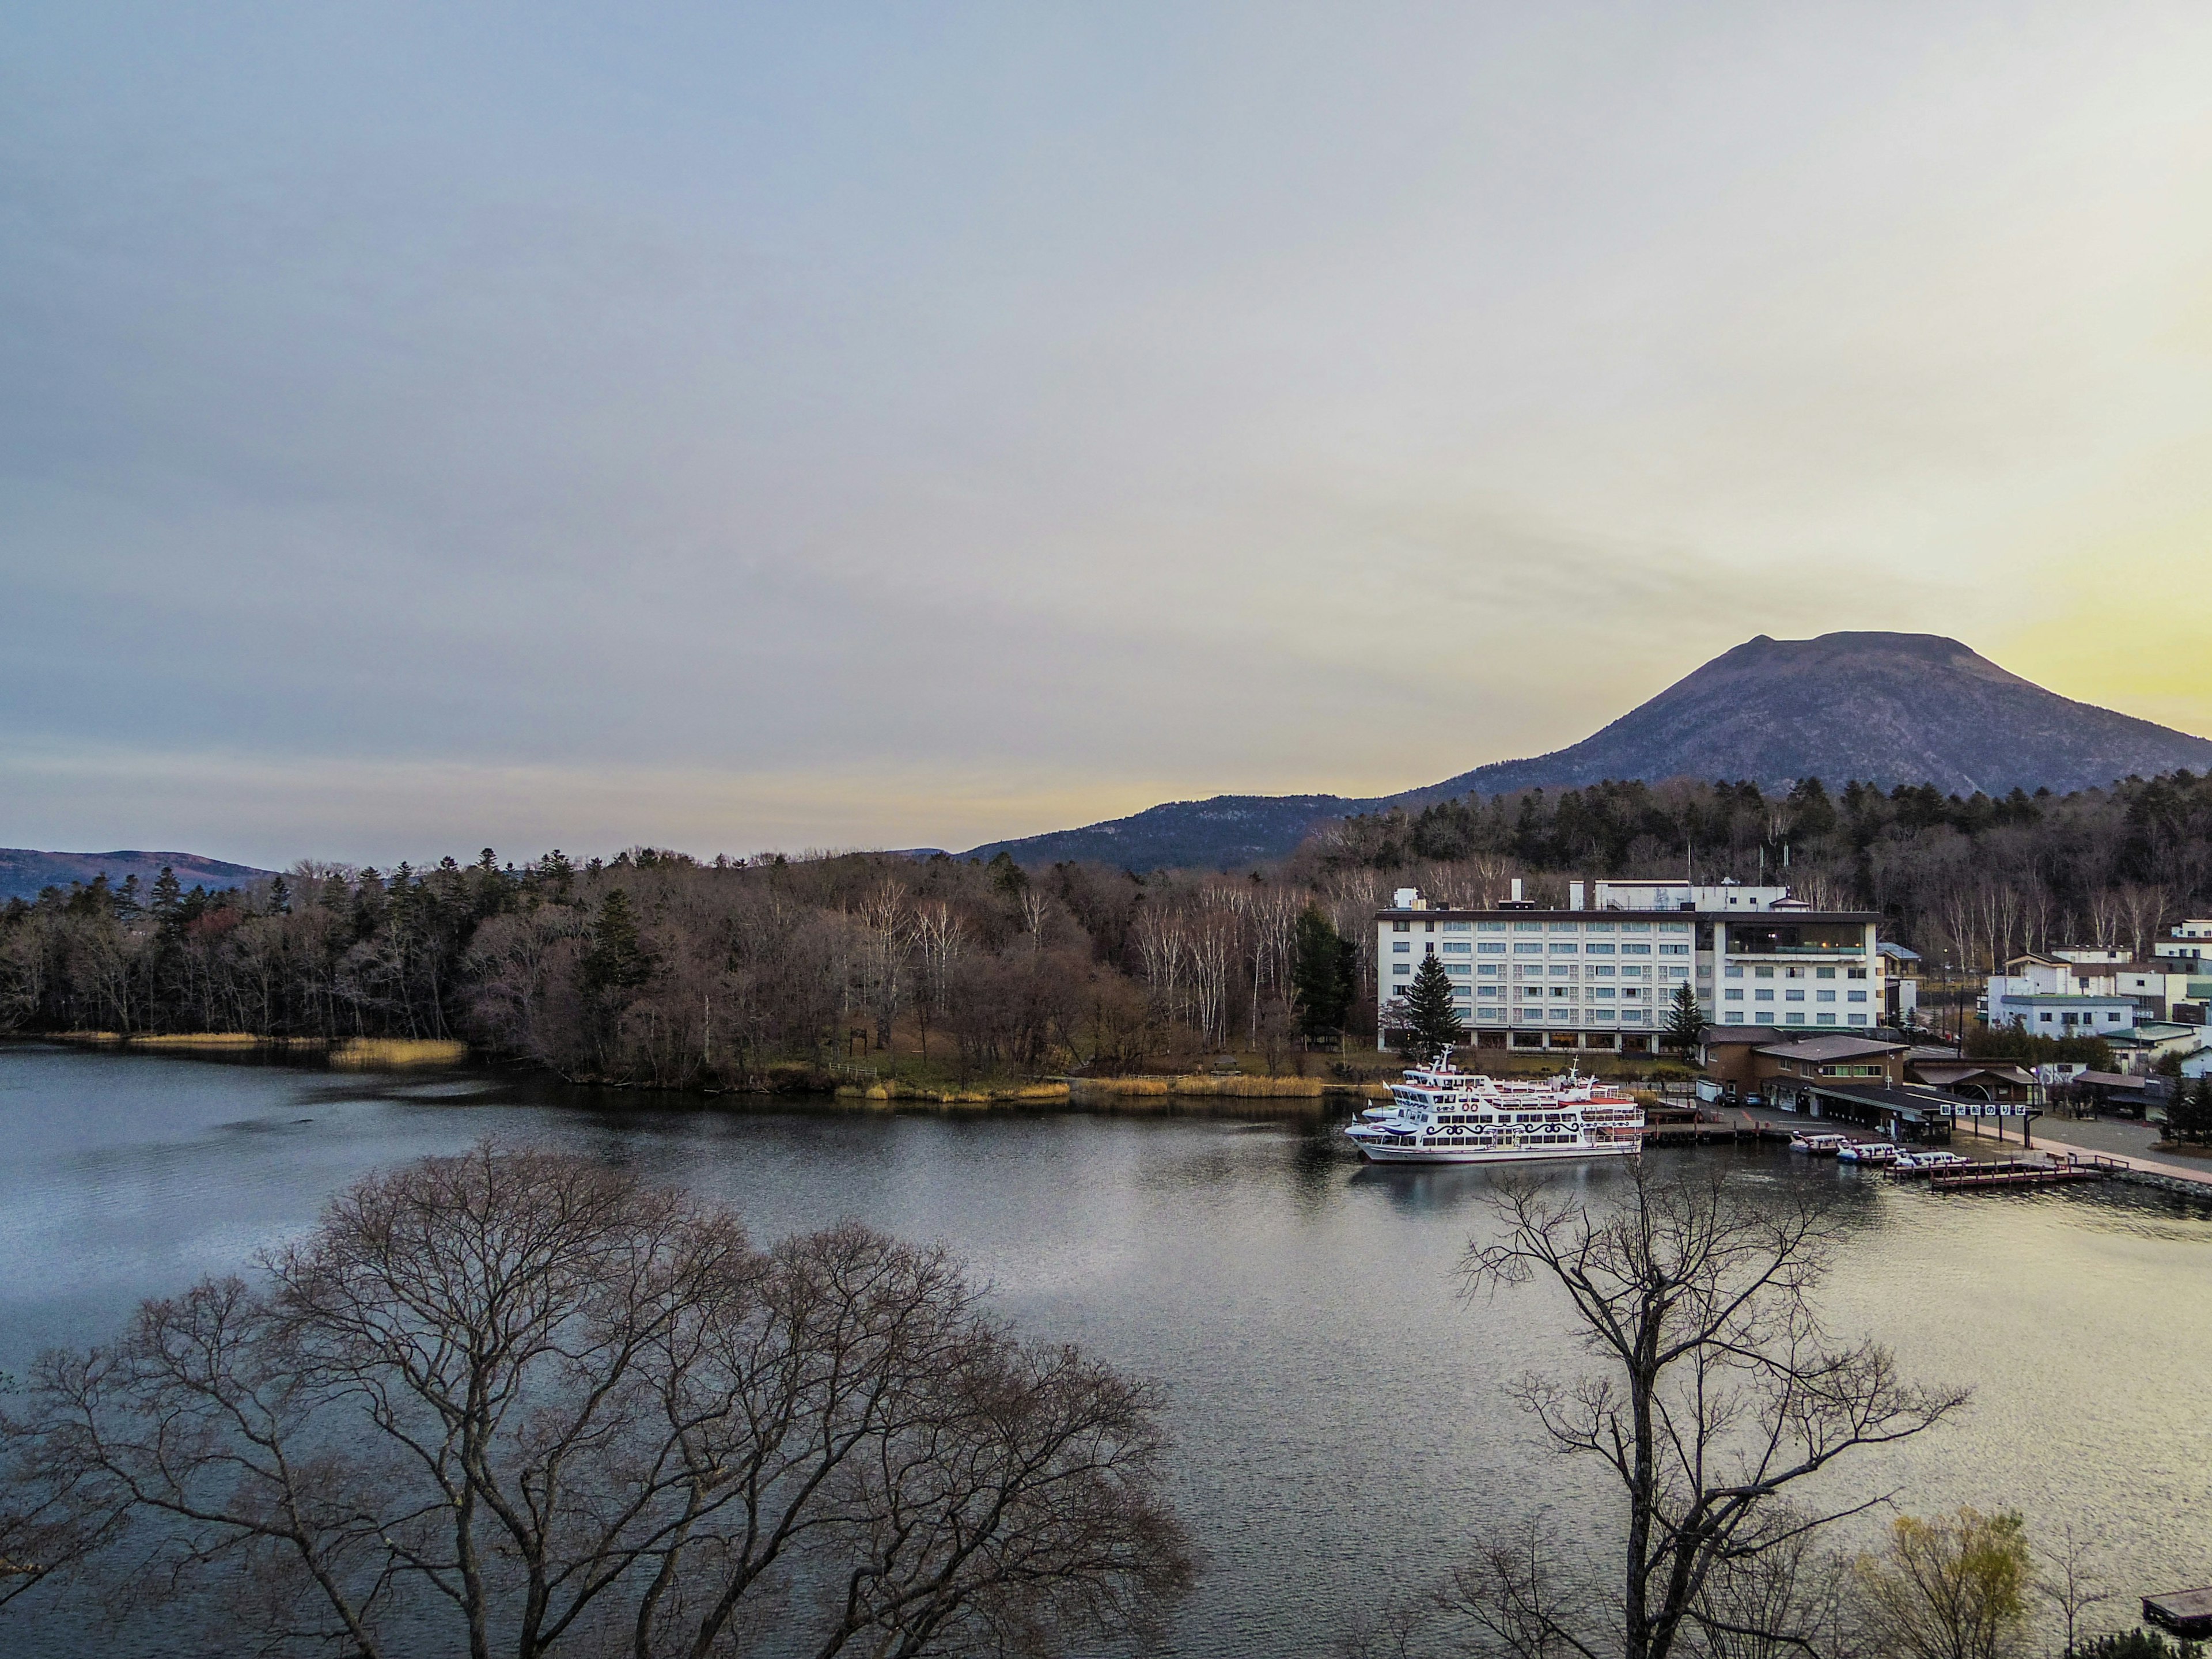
1516 889
1574 890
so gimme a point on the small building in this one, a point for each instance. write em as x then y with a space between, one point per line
2154 1038
2185 941
1992 1080
2058 1015
1900 1111
1766 1060
2118 1091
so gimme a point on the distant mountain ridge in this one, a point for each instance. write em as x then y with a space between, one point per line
1887 709
25 873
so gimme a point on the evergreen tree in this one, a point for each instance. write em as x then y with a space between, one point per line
280 896
616 960
168 902
1685 1024
1324 973
1428 1022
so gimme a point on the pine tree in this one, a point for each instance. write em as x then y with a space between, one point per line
168 902
1324 968
280 896
1429 1024
1687 1022
616 960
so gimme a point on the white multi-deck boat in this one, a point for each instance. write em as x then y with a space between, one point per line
1441 1114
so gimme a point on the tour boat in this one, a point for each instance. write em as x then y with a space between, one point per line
1441 1114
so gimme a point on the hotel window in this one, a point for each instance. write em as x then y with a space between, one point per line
1734 993
1490 948
1605 991
1454 947
1458 970
1528 949
1564 971
1566 927
1824 973
1490 990
1600 973
1401 926
1635 949
1459 927
1762 973
1854 996
1401 968
1827 1020
1528 927
1733 970
1858 1019
1674 949
1763 995
1402 947
1824 996
1854 973
1793 996
1563 950
1600 950
1490 969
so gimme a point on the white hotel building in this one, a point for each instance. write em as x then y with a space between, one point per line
1604 975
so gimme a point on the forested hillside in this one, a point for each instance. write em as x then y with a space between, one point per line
656 967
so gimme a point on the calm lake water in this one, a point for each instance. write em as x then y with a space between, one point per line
1339 1414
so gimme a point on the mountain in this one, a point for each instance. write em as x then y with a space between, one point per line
24 872
1888 708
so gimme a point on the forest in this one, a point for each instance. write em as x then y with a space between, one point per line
656 967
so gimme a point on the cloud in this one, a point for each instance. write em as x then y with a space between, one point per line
1039 410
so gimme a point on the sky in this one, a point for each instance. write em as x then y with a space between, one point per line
727 427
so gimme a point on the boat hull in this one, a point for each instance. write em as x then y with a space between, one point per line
1495 1154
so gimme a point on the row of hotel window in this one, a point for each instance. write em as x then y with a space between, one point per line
1492 1015
1404 947
1550 926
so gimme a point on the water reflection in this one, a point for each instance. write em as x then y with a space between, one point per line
1295 1302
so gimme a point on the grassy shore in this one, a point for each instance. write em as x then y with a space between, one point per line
344 1054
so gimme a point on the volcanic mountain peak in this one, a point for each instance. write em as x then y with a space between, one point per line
1887 709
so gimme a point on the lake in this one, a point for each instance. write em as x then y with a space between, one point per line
1338 1414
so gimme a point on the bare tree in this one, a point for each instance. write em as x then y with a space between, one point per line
941 936
524 1397
2074 1583
1720 1394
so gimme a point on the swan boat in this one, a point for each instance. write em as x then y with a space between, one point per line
1441 1114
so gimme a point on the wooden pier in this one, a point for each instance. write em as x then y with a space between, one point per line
2021 1172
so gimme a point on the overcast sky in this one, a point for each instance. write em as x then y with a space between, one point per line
423 427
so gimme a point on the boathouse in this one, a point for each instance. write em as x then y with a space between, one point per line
1899 1111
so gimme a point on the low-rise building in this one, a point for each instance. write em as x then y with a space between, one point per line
1744 1059
2189 941
2161 990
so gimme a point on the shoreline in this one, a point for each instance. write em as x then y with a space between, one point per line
1166 1091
